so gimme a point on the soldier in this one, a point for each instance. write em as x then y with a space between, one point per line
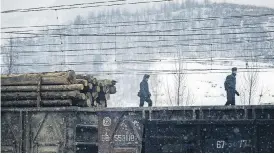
144 93
230 87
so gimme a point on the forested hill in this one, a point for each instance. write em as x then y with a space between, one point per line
195 30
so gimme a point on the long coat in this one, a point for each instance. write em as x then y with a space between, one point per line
230 82
144 90
230 87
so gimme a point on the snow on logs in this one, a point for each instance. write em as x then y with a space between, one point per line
46 78
51 89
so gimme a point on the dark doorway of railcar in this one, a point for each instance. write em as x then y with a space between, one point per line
86 148
169 137
86 139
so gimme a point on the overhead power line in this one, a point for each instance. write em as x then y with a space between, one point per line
147 47
131 34
80 5
56 7
140 22
238 26
168 71
223 71
264 38
146 61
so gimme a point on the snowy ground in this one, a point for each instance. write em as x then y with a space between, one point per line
201 88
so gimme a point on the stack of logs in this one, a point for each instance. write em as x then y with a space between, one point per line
51 89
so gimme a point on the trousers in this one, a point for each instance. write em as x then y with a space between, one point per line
148 100
230 95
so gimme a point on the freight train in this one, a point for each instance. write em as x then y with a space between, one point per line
156 129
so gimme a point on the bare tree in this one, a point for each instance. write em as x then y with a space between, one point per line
180 78
156 88
182 95
243 96
10 58
169 94
262 93
251 77
250 83
252 80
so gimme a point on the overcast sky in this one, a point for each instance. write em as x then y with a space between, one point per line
49 17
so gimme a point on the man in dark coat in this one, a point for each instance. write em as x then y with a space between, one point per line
230 87
144 93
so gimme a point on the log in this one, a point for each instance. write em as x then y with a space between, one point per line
43 88
20 103
33 103
47 78
87 86
82 103
70 74
107 82
75 95
112 90
87 77
18 96
82 81
66 102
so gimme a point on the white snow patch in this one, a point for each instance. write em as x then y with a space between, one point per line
204 87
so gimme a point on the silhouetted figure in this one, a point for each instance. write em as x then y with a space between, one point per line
230 87
144 93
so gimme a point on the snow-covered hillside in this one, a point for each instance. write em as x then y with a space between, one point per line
118 44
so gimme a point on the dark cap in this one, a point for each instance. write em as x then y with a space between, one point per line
146 76
234 69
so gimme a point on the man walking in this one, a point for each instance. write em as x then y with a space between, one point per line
144 93
230 87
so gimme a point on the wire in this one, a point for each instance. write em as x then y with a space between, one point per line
124 34
146 47
230 27
113 26
185 71
160 60
52 44
147 61
141 41
77 6
258 56
158 20
157 73
55 7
